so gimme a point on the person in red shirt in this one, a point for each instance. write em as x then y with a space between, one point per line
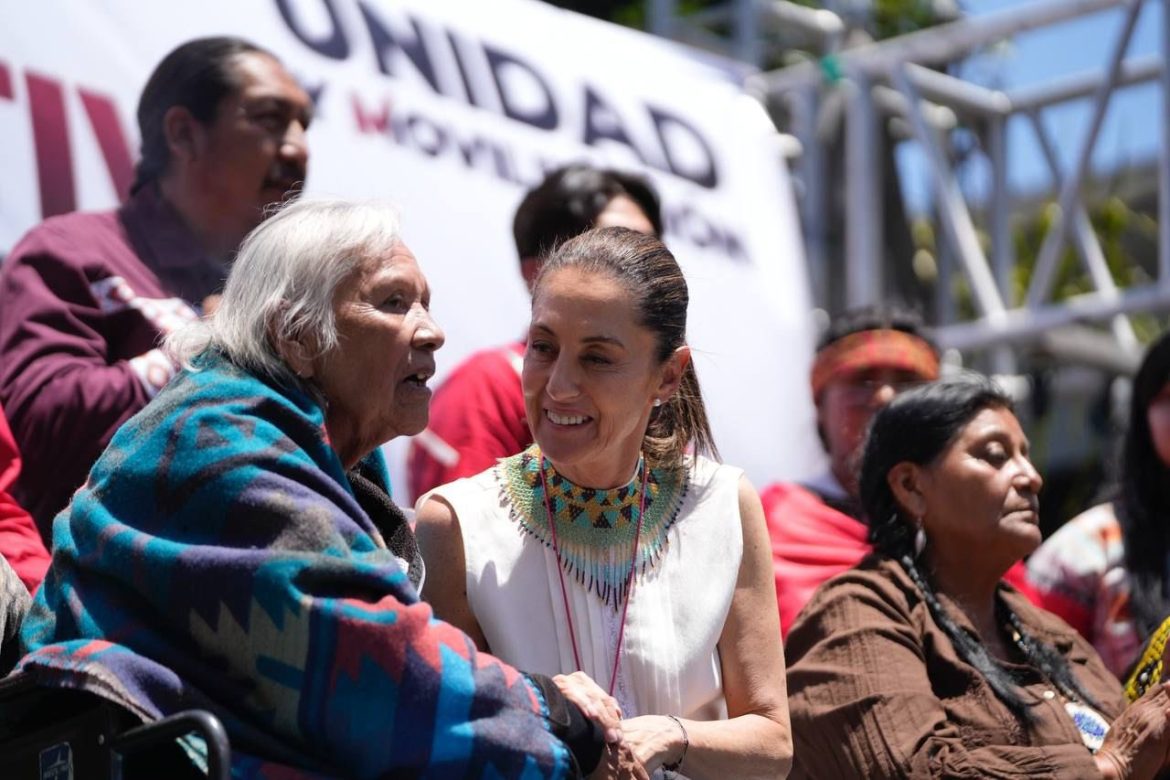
477 415
20 542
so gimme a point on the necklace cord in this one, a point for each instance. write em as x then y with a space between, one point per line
630 580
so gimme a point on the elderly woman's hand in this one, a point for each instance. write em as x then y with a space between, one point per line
595 704
655 740
1138 743
619 762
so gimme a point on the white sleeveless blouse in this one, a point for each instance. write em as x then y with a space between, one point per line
669 660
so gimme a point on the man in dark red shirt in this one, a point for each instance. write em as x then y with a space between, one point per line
85 298
477 415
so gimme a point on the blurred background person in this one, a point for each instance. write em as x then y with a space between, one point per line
23 557
20 542
605 546
477 416
1104 571
921 661
236 548
85 297
866 357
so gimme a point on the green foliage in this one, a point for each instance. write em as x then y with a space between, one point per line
1118 228
898 17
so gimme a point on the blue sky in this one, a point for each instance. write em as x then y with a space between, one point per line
1131 129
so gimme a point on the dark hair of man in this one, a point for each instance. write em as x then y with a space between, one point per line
644 266
568 202
918 427
1144 504
197 76
880 316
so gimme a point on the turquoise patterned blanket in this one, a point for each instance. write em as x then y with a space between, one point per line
217 559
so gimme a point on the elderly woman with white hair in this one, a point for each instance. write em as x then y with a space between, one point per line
235 549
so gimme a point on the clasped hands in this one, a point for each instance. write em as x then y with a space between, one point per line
635 747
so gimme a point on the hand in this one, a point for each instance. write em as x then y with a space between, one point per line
1138 743
655 740
618 762
595 704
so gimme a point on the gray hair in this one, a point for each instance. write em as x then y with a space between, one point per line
283 281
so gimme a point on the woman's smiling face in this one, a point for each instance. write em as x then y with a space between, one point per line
591 376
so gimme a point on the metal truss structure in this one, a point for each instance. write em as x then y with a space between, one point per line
897 78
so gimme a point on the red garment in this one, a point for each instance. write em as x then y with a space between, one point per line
812 542
20 542
477 417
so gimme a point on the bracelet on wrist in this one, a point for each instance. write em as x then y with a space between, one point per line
673 766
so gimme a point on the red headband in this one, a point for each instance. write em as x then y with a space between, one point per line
865 349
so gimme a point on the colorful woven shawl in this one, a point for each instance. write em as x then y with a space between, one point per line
217 559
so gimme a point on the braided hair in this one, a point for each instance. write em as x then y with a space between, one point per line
918 427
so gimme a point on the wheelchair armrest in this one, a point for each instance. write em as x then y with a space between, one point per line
200 722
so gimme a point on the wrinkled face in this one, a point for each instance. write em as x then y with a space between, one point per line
374 380
254 152
1158 418
981 494
846 406
591 377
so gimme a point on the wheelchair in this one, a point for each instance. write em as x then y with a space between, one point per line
56 734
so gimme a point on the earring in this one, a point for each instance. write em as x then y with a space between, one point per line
919 539
657 402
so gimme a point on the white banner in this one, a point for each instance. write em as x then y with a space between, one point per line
452 109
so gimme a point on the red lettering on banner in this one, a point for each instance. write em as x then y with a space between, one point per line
5 82
376 121
51 137
103 118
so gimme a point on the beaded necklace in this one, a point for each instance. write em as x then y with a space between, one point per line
629 588
595 528
1088 721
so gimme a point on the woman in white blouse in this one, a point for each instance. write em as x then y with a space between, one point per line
606 547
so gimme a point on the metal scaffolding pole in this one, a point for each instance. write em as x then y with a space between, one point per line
933 102
1002 254
1082 85
1085 241
1069 194
813 195
660 16
941 44
747 40
863 228
1018 325
955 217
